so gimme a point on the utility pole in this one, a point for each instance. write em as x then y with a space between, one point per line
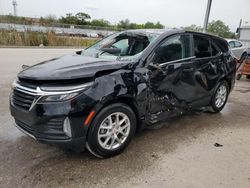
209 3
14 3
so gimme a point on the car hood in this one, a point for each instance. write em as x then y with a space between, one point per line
69 67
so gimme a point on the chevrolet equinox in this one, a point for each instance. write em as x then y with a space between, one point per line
99 97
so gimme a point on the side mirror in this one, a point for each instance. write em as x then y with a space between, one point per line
153 67
25 66
79 52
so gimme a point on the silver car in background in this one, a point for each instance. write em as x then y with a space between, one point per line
237 48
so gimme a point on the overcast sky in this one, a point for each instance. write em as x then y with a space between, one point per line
171 13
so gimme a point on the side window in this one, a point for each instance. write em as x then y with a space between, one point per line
173 48
214 50
123 45
237 44
221 44
201 47
232 44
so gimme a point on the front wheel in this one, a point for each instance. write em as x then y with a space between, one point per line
111 131
220 96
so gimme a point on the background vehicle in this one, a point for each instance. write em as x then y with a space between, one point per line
126 82
237 48
244 66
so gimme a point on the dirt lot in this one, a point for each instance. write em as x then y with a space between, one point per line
180 154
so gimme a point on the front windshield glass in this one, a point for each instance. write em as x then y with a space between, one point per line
123 46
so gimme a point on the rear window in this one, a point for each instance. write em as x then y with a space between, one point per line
232 44
238 44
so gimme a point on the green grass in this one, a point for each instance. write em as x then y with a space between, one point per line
14 38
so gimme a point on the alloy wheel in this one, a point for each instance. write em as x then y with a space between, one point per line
221 96
114 131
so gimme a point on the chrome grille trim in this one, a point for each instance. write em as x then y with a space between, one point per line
40 92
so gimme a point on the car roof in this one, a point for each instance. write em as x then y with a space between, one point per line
170 31
151 31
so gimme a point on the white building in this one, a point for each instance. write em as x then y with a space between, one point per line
244 32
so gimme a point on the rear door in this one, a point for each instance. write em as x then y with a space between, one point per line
208 61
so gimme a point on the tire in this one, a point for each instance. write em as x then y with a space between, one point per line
248 76
215 105
243 56
104 131
238 77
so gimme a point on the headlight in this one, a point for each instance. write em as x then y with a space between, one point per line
58 98
62 93
66 88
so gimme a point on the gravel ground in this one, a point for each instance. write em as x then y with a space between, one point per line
180 154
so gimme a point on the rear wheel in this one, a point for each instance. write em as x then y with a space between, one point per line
220 97
111 130
243 56
238 77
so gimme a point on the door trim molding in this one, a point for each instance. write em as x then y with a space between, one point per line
177 61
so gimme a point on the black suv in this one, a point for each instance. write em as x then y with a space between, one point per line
99 97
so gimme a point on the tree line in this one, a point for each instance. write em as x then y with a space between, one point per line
217 27
85 19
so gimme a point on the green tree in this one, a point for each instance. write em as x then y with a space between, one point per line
151 25
100 23
82 18
68 19
124 24
159 25
192 27
219 28
51 18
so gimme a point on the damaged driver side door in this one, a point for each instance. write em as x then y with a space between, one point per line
171 84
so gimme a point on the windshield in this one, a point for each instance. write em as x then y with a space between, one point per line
123 46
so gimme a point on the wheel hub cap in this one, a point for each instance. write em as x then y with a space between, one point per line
114 130
221 96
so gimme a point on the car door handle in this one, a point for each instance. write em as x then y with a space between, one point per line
188 69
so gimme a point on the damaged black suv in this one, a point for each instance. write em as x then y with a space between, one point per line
99 97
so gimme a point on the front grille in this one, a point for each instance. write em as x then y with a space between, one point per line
22 100
27 84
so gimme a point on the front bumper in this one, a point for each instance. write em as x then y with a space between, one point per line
76 144
44 122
